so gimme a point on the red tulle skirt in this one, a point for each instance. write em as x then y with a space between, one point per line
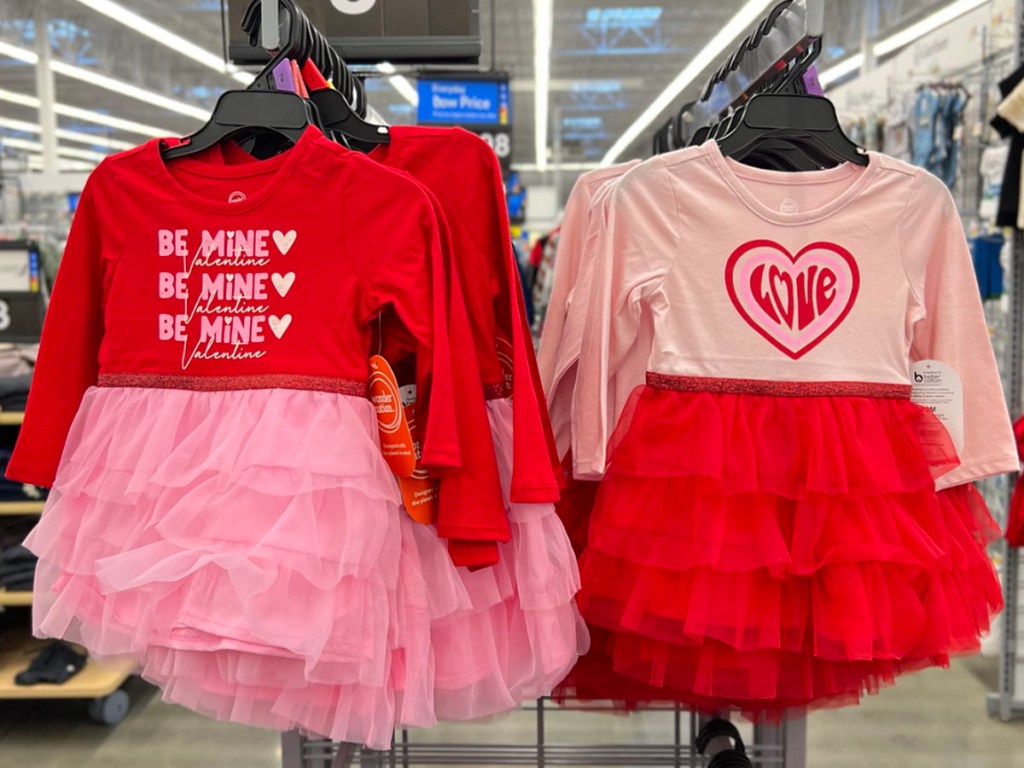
765 553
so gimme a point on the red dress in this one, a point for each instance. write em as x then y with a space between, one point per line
779 525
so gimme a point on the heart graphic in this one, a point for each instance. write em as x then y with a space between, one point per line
279 325
794 302
285 241
283 283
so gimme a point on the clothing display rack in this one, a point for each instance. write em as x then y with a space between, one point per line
781 48
1007 702
782 746
772 59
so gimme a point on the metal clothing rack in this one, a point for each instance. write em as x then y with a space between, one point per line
782 36
780 746
1007 702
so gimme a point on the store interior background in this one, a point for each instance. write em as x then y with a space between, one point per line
127 71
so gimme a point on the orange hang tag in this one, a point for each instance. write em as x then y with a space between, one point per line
420 492
395 434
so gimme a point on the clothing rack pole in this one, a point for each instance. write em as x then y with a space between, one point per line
1006 703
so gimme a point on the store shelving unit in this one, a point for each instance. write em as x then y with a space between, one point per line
9 508
15 599
99 684
1007 702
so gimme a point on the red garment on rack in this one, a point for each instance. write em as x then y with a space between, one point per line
1015 520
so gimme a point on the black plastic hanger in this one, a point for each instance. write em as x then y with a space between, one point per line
338 116
278 112
807 122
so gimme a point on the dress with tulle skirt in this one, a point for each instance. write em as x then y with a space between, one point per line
766 553
271 577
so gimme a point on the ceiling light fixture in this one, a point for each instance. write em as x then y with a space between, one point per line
571 167
79 137
35 162
749 14
400 83
34 146
127 89
165 37
19 53
928 24
99 118
902 38
543 21
842 69
108 83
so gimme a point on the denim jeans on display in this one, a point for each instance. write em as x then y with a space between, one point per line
952 116
926 108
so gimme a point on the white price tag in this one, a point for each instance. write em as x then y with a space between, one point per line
937 387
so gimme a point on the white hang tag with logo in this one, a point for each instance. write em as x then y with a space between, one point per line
937 387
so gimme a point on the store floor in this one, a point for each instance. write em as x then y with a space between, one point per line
932 719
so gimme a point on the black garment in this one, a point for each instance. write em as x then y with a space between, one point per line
1009 196
17 569
56 663
14 392
11 490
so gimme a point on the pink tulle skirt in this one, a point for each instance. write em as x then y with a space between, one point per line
249 551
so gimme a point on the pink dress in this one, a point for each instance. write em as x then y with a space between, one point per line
769 532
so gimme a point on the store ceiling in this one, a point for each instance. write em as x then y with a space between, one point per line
610 59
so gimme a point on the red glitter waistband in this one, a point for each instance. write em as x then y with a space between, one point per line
222 383
777 388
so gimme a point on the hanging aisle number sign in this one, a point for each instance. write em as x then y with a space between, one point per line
500 140
481 105
354 7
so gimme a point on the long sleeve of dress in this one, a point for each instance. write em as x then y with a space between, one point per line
411 280
567 259
947 324
472 512
536 471
68 362
640 243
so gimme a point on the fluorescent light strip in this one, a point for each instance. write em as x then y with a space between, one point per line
543 21
165 37
117 123
87 115
19 53
108 83
79 137
35 161
902 38
35 146
749 14
929 24
400 83
842 69
568 167
127 89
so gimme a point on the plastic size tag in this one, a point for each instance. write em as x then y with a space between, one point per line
937 387
395 434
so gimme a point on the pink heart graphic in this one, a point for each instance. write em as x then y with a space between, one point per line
795 302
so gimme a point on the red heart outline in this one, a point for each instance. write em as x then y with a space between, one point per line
730 268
